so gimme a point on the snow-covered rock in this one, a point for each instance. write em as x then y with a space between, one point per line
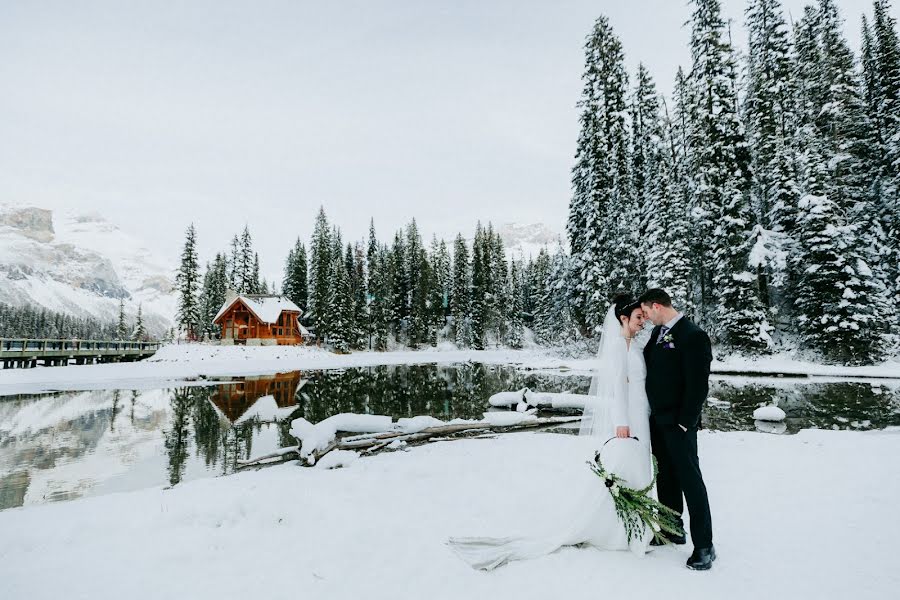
504 399
769 413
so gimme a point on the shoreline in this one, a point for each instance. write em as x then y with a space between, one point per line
191 364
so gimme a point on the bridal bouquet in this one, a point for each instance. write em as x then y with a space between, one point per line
636 509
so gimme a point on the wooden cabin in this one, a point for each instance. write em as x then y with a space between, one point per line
258 320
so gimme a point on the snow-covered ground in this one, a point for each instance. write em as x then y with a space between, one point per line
178 362
805 516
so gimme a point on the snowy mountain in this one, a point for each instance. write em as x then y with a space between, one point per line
527 240
81 264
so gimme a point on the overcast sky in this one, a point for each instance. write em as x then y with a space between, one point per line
160 113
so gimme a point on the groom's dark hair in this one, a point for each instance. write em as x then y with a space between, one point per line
656 295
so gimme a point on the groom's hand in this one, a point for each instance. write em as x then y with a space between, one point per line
622 431
683 428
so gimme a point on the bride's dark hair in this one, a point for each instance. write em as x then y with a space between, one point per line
624 305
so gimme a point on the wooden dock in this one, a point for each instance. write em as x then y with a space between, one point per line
26 353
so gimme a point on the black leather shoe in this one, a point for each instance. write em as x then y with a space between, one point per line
678 540
702 559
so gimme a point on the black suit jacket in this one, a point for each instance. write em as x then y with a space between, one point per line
678 378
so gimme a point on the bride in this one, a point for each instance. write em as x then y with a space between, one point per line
616 417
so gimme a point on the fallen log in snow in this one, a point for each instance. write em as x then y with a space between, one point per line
374 442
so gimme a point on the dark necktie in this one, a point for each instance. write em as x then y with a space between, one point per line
663 330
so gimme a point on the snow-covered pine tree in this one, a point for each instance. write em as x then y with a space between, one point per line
459 306
233 263
293 286
837 138
339 307
140 330
720 172
497 273
771 122
667 236
591 182
564 327
416 302
429 299
122 325
621 215
769 101
514 305
646 140
883 83
443 284
378 290
256 285
380 308
828 288
207 311
244 263
355 260
212 295
478 292
543 322
399 285
321 260
187 283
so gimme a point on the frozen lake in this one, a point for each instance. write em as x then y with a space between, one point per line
66 445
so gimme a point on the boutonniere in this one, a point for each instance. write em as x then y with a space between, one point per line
668 342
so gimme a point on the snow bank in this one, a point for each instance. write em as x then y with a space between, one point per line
337 459
318 436
417 424
377 530
507 419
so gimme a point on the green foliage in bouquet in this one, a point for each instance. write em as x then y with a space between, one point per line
636 509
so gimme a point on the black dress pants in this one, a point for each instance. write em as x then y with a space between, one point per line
679 475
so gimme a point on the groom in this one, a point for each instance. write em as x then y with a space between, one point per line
678 357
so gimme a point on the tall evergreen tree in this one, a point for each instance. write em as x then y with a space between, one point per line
293 285
838 158
882 77
514 328
378 290
769 106
459 307
721 176
140 330
321 260
339 307
187 283
600 181
122 327
478 291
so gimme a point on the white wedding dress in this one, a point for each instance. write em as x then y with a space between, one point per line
618 398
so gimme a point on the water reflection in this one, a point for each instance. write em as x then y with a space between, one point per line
66 445
832 405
